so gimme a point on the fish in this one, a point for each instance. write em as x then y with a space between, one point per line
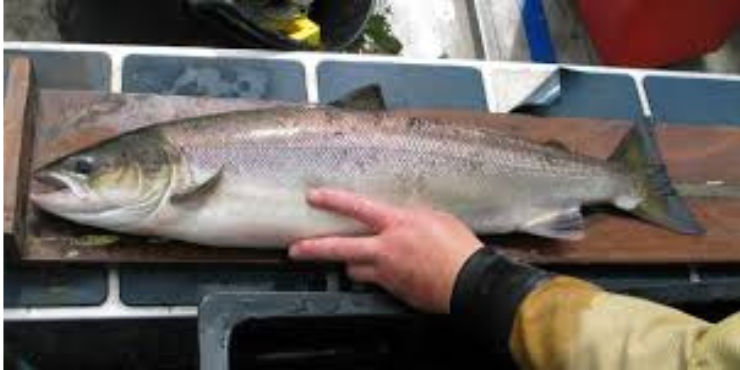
239 179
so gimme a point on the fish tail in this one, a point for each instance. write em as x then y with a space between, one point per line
662 205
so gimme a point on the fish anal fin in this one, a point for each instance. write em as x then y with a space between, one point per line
565 224
369 97
197 190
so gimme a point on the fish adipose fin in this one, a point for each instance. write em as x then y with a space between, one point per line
197 190
369 97
662 205
559 224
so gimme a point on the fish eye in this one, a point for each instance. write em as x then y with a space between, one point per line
84 165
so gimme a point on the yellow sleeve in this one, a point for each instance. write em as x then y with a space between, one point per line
569 324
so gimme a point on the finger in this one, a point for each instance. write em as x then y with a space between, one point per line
335 249
373 213
362 273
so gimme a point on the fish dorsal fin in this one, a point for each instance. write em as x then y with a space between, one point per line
557 145
369 97
197 189
559 224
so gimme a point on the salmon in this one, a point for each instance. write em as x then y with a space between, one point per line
239 179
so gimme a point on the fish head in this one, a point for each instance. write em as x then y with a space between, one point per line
114 185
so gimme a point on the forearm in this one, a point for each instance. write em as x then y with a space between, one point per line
551 322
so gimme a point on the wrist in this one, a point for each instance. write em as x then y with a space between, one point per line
487 293
452 272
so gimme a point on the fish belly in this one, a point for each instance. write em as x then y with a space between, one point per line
241 214
244 213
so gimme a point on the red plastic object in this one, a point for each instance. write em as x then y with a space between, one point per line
652 33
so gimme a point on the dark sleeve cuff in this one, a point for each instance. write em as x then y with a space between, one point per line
487 294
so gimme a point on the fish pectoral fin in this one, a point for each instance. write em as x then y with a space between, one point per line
365 98
565 224
198 189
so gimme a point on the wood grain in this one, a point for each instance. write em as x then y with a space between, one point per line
16 101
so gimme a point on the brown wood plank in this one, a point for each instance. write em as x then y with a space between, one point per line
18 87
700 154
18 131
694 155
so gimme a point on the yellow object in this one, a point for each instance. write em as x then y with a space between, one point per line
300 29
305 30
570 324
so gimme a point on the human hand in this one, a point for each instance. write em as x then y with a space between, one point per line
415 254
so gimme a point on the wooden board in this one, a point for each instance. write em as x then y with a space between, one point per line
18 134
14 119
703 159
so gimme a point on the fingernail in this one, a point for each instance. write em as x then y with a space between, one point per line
315 195
298 249
295 251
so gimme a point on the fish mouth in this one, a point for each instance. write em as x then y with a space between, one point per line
62 193
48 182
72 195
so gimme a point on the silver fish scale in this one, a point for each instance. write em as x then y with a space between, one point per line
392 156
